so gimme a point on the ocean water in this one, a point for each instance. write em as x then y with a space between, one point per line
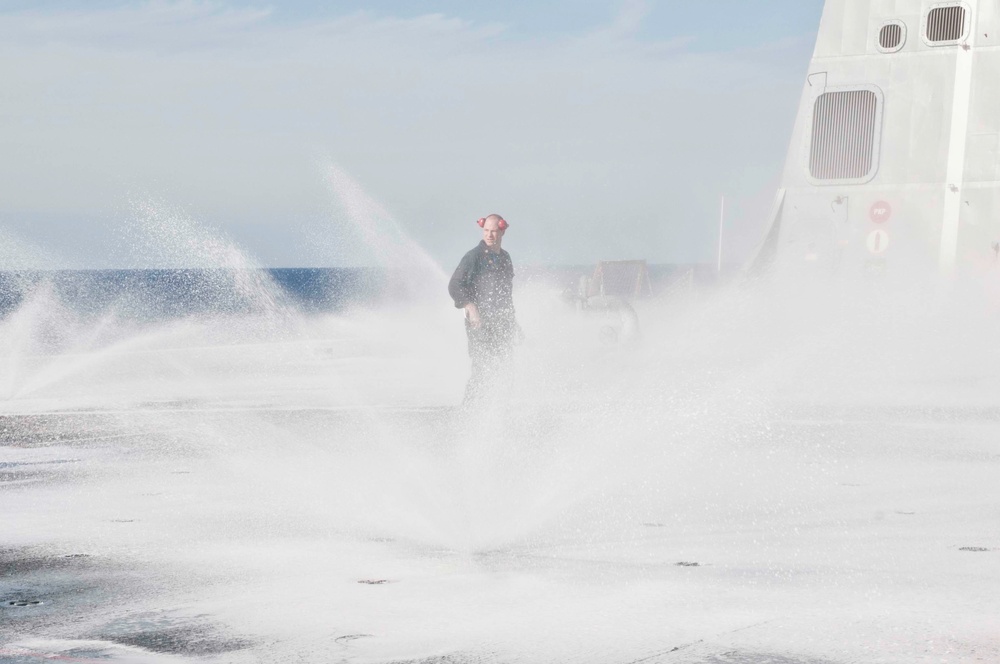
162 294
173 293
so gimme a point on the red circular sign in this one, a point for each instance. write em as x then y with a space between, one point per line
880 211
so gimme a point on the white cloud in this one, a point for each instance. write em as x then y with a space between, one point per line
630 17
593 145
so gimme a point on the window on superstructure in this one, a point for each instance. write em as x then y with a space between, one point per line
946 24
891 37
845 136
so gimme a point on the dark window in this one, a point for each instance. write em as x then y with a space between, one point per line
946 24
844 135
890 37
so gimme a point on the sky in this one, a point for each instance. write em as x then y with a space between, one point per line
599 130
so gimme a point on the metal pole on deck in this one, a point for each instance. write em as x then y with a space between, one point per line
722 217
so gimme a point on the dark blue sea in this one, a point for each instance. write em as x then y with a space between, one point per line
171 293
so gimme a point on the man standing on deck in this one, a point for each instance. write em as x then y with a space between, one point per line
483 285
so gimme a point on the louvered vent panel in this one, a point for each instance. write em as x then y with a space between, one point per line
890 37
843 135
946 24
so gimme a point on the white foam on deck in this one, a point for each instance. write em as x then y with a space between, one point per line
824 461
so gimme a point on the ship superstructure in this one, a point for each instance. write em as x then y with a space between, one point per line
895 154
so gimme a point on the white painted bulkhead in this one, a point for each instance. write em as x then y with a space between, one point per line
894 160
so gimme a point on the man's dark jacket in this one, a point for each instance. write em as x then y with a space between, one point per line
485 278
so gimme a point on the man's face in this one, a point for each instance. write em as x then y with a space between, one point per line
492 233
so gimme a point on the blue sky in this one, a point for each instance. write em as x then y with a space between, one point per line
739 23
601 130
709 23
